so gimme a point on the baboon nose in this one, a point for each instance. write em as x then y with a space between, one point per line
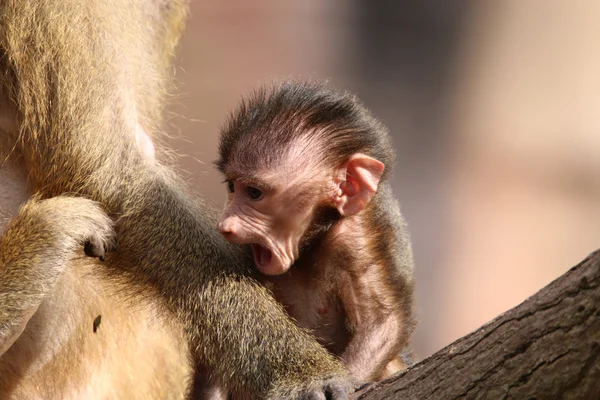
227 227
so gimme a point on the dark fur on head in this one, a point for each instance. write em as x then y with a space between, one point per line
271 119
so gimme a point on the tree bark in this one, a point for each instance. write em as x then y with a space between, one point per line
548 347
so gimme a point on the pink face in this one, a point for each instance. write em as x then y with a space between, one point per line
271 219
272 213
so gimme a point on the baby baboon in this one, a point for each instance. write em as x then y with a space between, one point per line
305 169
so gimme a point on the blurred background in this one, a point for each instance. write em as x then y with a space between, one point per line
493 108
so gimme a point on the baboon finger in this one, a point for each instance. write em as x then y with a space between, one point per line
94 247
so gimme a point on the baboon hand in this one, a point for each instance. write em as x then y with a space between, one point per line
98 234
35 249
97 246
331 389
68 222
337 387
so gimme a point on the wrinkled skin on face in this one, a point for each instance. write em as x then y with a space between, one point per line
271 214
273 210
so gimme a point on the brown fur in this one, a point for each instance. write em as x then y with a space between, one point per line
352 283
77 80
58 355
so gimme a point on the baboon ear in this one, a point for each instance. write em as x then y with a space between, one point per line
362 174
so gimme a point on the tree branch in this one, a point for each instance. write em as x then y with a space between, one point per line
548 347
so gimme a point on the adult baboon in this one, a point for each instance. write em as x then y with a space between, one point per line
81 85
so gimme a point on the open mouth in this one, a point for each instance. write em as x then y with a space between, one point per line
262 256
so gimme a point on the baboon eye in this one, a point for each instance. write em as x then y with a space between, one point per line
230 186
253 193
